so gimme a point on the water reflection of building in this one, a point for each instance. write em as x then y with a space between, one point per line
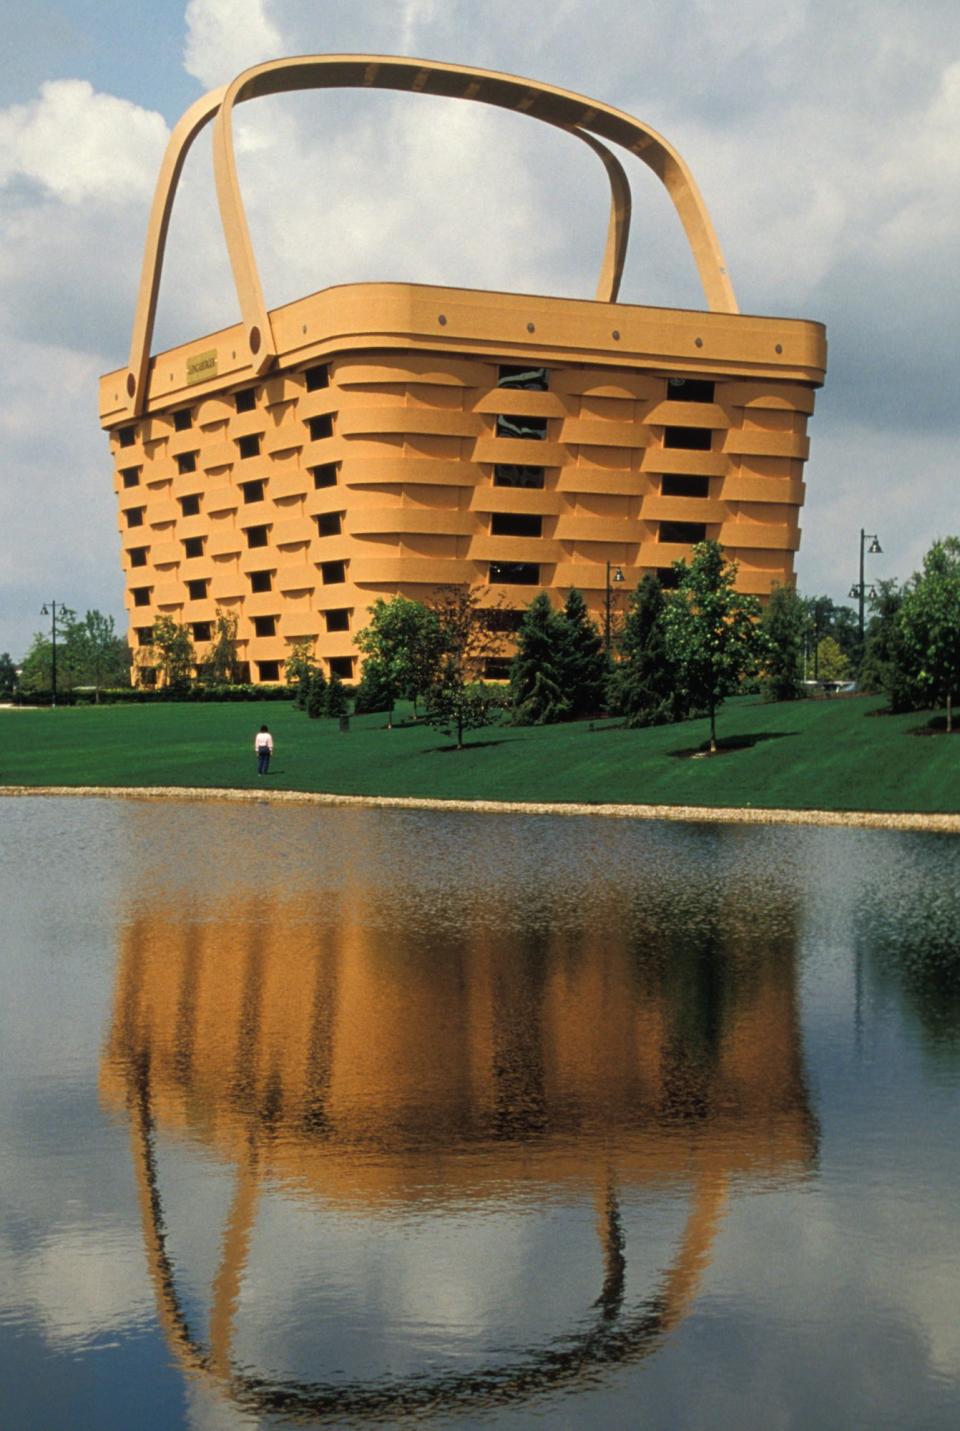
295 1047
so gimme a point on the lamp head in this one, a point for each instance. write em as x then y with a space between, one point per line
618 575
854 592
875 549
44 611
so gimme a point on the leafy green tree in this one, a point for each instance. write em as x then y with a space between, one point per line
784 624
335 703
403 637
375 691
457 699
8 675
222 664
833 663
826 618
929 620
36 670
96 655
298 670
316 702
713 631
172 653
537 693
644 684
584 667
887 663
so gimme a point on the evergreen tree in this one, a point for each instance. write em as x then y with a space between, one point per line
8 675
537 693
784 624
643 685
298 671
335 703
376 691
317 695
583 666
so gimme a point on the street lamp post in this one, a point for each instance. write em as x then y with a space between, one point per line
51 611
860 589
617 576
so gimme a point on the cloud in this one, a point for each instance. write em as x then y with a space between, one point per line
227 36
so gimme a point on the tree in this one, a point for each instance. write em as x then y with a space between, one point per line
584 667
403 638
826 618
785 627
929 620
887 663
713 631
221 668
8 675
336 703
832 661
96 655
375 691
316 699
298 670
643 684
36 671
457 700
172 653
537 692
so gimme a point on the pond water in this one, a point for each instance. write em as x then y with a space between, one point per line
347 1117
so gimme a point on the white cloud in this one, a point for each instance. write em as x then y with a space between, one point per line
79 1283
227 36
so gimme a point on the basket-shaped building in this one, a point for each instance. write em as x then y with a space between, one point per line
378 439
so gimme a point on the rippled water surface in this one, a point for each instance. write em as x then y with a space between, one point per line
351 1117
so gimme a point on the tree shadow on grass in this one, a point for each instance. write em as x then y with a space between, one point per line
937 725
729 744
459 749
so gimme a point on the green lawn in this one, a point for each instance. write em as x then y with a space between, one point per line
832 755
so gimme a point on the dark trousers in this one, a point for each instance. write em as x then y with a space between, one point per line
263 760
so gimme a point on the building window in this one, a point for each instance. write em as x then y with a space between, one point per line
679 484
193 547
685 533
515 573
261 581
329 524
317 377
690 390
186 462
667 577
325 475
342 666
245 400
502 619
201 630
127 436
510 474
515 524
532 429
148 676
264 626
532 379
135 516
197 590
268 670
497 668
144 635
183 419
333 572
252 491
130 476
249 446
692 439
338 620
257 536
141 595
190 506
320 427
138 556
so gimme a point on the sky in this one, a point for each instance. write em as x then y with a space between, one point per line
824 135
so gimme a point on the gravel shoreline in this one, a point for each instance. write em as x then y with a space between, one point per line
703 814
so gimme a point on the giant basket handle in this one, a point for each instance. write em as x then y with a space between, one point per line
587 119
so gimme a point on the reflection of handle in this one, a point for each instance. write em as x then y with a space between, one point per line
587 119
616 1337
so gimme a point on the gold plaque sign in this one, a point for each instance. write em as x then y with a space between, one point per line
202 366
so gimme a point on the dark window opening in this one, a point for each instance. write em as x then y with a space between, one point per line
257 536
183 419
130 476
242 672
264 626
325 475
201 630
338 620
332 572
667 577
249 446
532 379
148 675
532 429
190 506
320 426
141 595
261 581
329 524
252 491
144 635
193 547
515 524
127 436
510 474
679 484
245 400
503 620
515 573
318 377
342 666
135 516
138 556
186 462
686 533
268 670
497 668
694 439
197 590
690 390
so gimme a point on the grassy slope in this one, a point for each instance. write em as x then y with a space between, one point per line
815 754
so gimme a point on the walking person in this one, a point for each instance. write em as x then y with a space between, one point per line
263 745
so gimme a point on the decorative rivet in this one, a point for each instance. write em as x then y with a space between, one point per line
698 342
131 385
531 327
442 320
254 340
616 334
778 348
